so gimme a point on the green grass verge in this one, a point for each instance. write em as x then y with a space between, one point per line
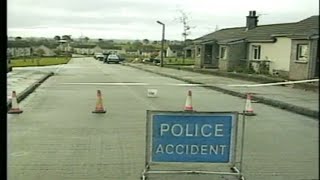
44 61
179 61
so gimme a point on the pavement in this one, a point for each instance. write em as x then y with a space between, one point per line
285 97
25 80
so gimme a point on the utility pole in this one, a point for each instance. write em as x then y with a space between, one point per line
162 42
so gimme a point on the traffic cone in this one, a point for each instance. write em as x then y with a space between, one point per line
14 104
188 106
248 109
99 105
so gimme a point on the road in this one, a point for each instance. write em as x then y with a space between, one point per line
57 136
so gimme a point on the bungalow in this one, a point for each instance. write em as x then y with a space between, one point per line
189 51
174 51
97 49
133 52
287 49
91 49
47 51
86 49
64 46
19 49
112 49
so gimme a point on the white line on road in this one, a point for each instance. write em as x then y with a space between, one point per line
127 84
187 84
109 83
273 84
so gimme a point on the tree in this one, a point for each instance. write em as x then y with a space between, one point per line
145 41
86 39
40 52
100 40
137 44
66 37
184 19
18 38
110 41
57 38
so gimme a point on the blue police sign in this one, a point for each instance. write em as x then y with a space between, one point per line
192 136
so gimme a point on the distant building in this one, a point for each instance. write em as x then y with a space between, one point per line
174 51
19 49
47 51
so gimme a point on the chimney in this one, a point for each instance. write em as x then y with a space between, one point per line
252 20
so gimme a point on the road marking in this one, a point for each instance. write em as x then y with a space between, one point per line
22 153
184 85
273 84
128 84
109 83
187 84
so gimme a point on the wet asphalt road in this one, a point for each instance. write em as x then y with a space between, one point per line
57 136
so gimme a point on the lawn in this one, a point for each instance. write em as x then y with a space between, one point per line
44 61
187 61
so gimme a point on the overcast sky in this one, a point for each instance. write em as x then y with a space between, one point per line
136 19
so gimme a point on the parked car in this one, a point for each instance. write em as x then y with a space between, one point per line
112 58
105 56
97 55
121 58
146 60
156 60
100 57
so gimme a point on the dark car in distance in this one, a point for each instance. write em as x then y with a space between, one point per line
112 58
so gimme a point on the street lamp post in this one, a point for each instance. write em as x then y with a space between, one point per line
162 42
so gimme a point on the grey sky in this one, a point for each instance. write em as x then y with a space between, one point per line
136 19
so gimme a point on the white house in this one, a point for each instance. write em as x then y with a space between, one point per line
287 49
47 51
19 49
174 51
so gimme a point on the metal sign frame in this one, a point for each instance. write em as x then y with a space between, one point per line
233 144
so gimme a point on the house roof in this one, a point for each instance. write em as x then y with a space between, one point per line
18 44
107 46
176 47
131 50
190 47
305 28
86 46
50 46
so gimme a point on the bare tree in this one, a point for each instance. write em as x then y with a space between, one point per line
184 19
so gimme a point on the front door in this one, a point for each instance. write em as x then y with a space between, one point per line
208 54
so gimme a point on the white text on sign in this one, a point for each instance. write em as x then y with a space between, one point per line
191 149
192 130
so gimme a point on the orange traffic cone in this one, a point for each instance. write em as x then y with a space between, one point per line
99 105
188 106
248 109
14 104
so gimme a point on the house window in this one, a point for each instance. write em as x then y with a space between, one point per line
302 52
223 52
256 50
